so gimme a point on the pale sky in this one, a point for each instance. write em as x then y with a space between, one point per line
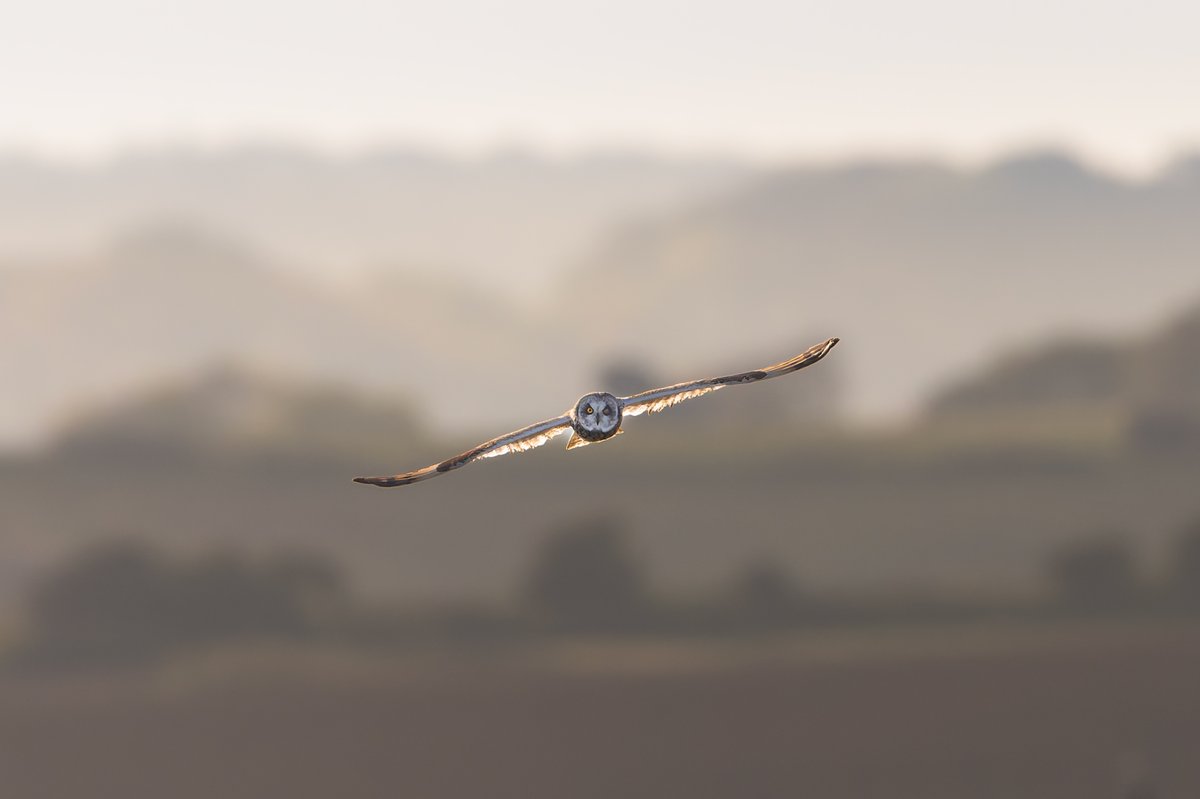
756 78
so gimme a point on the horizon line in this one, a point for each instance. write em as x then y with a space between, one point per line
516 148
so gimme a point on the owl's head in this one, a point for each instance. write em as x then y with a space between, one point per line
597 416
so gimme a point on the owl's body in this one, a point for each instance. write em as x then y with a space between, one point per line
598 416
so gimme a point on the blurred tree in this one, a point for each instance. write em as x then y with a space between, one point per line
314 582
1185 560
121 602
584 578
1097 574
103 602
1159 431
628 376
767 593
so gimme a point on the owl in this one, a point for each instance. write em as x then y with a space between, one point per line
597 417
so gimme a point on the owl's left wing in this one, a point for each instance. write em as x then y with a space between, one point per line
660 399
517 441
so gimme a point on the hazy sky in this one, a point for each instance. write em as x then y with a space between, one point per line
1120 81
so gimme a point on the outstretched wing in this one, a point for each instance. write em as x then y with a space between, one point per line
660 399
518 441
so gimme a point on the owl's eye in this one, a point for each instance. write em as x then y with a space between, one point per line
607 411
588 410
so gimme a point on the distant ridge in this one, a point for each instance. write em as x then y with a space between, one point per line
522 214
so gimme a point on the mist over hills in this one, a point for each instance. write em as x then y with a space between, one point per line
924 271
505 221
921 269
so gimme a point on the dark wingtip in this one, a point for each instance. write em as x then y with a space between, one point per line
816 352
386 482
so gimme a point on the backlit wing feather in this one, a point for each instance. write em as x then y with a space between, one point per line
666 397
517 441
660 399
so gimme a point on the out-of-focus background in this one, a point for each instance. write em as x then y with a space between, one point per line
250 250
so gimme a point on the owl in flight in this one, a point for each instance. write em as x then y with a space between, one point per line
597 417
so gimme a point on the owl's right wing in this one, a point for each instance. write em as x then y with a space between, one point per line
517 441
659 399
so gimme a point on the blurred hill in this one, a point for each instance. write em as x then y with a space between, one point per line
1066 374
170 302
923 270
1146 387
232 411
506 220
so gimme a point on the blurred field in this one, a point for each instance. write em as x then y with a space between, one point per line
1063 712
840 514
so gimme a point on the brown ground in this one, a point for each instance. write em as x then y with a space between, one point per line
1059 713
